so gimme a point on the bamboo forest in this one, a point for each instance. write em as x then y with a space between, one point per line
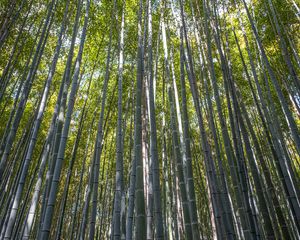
149 119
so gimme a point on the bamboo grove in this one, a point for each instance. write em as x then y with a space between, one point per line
149 119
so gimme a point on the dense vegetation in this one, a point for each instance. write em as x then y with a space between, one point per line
148 119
